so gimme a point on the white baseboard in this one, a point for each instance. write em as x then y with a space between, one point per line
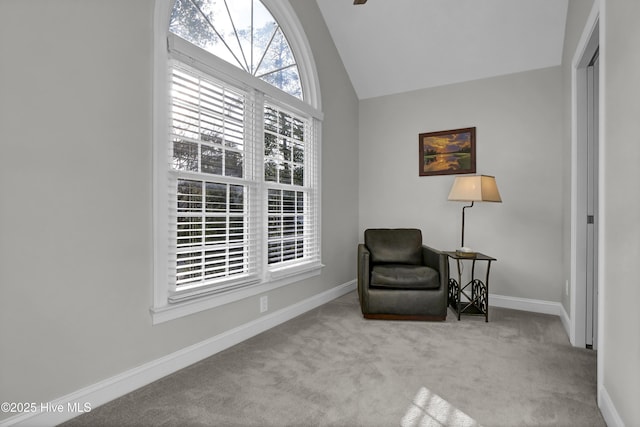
608 409
67 407
526 304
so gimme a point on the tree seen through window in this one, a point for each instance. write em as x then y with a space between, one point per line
243 33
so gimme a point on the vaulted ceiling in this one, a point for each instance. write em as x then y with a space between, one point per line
394 46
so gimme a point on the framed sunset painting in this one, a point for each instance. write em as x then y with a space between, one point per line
448 152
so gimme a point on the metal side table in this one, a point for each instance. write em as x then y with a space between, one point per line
475 291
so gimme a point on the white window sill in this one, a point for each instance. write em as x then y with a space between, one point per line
279 278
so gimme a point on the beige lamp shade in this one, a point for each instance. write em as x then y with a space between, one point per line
475 188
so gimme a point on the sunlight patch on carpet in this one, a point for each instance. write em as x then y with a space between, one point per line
430 410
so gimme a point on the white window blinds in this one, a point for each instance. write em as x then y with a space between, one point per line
290 174
212 222
243 182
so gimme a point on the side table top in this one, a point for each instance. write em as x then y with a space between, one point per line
472 256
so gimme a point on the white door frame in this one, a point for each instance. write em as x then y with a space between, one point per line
587 46
593 218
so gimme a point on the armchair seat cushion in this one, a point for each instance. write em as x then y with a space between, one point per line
402 276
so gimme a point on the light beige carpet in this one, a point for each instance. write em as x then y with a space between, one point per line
430 410
331 367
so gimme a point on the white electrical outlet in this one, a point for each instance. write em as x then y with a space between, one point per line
264 303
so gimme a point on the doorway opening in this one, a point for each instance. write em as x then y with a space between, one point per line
584 208
591 226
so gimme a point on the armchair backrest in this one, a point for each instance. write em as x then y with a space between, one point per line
394 245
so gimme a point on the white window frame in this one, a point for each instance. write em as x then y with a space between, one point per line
162 310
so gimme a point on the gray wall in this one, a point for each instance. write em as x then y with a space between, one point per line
519 121
340 149
76 195
620 351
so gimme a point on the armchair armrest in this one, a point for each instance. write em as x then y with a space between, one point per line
364 267
439 260
431 257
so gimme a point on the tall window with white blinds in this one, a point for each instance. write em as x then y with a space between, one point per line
289 173
236 154
211 243
243 181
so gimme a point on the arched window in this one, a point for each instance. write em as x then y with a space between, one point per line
243 33
237 171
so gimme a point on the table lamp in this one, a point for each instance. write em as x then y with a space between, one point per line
473 188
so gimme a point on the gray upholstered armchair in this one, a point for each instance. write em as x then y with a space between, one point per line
400 278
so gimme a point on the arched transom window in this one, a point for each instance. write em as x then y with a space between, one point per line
243 33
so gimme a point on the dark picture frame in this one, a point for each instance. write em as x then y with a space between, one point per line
448 152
